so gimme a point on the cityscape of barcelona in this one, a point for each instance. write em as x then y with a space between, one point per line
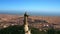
29 16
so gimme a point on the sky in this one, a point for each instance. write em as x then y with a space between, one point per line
34 6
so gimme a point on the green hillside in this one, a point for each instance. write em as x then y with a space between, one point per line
19 30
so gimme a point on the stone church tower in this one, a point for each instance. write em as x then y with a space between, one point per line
26 28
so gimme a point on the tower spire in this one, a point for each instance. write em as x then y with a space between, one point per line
26 28
25 18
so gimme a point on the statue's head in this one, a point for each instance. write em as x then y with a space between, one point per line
25 14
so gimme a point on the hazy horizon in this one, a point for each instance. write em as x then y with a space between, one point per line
36 13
